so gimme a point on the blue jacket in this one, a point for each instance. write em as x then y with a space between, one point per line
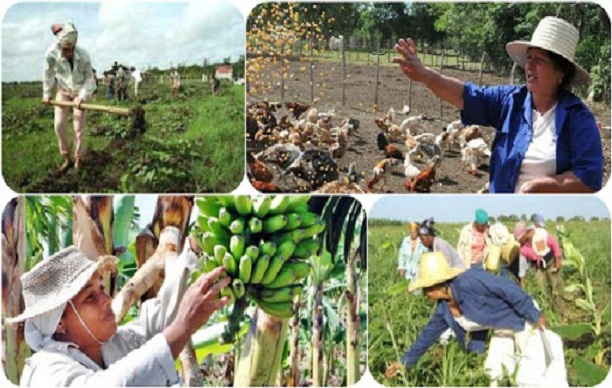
483 298
509 110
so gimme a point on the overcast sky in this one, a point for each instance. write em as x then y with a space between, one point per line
135 34
461 208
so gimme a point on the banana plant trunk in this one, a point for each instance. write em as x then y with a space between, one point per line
259 358
317 338
294 374
353 324
13 265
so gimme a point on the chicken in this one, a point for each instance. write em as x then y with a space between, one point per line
265 187
473 151
258 170
379 173
410 170
392 130
405 109
297 108
423 181
469 133
390 150
412 125
605 132
341 145
313 116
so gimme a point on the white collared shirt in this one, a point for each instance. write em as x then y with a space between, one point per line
78 80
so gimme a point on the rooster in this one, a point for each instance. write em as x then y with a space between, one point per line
379 173
297 108
424 180
258 170
390 150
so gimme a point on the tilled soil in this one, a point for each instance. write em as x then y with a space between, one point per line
393 88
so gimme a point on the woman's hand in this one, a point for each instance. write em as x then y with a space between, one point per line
393 369
410 63
566 182
200 301
541 323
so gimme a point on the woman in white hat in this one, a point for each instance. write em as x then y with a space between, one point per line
546 138
475 301
69 68
70 325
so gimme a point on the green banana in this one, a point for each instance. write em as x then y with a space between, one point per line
284 278
285 294
295 201
227 201
237 226
308 219
237 246
220 251
230 264
255 225
295 235
302 209
243 204
238 288
267 248
279 310
203 223
261 206
274 223
260 268
306 247
208 242
216 227
208 207
314 229
294 220
279 204
225 217
209 264
301 268
286 248
244 269
227 291
253 252
275 266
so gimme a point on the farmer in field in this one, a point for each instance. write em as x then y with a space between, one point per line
109 82
70 325
215 85
541 249
475 301
546 138
474 240
68 67
137 77
511 263
410 252
122 79
175 81
429 238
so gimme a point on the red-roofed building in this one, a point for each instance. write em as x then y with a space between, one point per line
224 72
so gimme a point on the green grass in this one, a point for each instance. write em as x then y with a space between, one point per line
398 317
193 143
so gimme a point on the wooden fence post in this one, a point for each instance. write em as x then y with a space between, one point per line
282 68
311 69
441 67
343 75
482 59
378 55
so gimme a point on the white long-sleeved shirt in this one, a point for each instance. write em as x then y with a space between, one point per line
78 80
137 355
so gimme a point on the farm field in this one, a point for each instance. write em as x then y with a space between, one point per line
190 144
451 175
396 318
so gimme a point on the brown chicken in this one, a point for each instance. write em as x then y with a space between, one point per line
297 108
258 170
379 173
265 187
390 150
422 182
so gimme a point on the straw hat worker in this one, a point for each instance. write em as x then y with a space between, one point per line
71 327
475 301
547 139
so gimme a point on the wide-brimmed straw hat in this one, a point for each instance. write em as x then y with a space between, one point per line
58 279
555 35
433 269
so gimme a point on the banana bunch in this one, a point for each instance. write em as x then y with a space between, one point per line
263 242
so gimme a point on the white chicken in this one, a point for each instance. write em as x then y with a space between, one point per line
410 170
472 151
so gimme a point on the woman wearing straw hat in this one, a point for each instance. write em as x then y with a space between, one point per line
70 325
546 138
409 253
475 301
68 67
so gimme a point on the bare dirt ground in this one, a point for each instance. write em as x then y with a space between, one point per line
452 175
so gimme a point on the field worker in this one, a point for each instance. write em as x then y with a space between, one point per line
122 83
410 251
109 81
70 325
475 301
68 67
137 77
538 221
429 238
474 240
95 92
510 251
542 250
546 138
215 85
175 81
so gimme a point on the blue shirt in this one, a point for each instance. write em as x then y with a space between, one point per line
483 298
509 110
408 260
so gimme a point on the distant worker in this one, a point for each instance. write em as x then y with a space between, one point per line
122 81
215 85
68 67
137 77
95 92
109 81
175 81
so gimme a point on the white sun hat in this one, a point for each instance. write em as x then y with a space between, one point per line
433 269
551 34
539 242
58 279
66 34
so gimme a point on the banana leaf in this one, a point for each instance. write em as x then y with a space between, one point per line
587 373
